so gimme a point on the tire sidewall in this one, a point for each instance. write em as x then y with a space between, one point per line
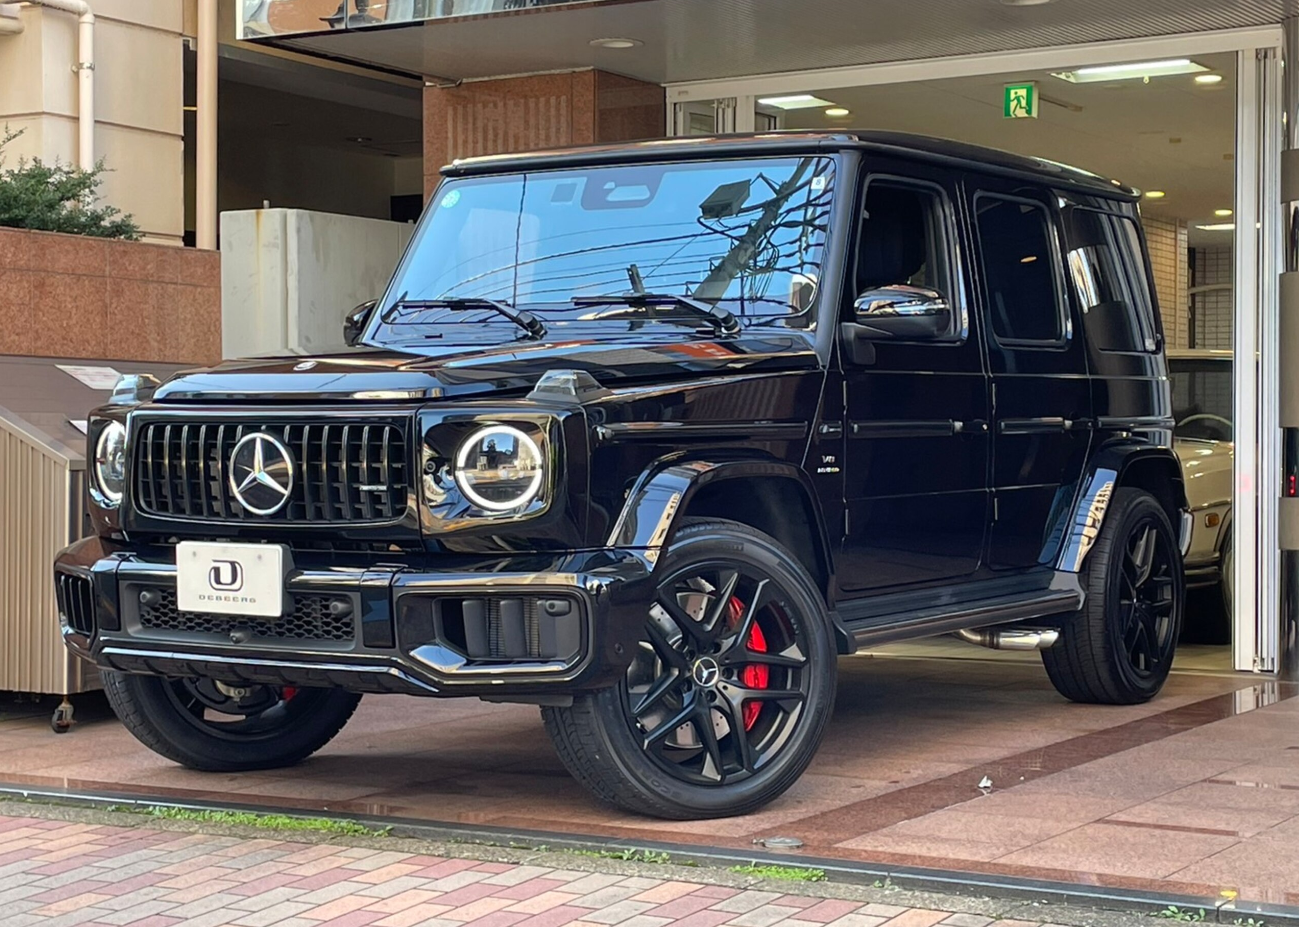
712 542
143 701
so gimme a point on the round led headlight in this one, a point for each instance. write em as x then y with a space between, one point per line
110 462
499 468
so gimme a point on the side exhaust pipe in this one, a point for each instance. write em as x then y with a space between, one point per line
1010 638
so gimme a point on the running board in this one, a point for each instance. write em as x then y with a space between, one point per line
953 617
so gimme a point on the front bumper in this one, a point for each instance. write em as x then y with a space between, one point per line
529 627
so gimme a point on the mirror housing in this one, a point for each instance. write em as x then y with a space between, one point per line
356 322
902 313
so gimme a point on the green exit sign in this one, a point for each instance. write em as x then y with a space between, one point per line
1020 101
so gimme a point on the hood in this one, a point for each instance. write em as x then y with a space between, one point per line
367 373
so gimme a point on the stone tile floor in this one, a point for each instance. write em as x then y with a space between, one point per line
1193 793
57 873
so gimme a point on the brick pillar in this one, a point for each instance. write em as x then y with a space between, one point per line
539 111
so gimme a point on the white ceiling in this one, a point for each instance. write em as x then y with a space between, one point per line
709 39
1170 134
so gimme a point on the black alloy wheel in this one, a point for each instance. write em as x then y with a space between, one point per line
1118 648
1146 600
227 727
721 677
727 695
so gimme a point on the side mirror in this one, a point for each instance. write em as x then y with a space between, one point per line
902 313
356 322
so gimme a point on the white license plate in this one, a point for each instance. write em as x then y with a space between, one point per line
231 579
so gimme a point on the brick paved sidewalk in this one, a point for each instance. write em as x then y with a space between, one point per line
59 874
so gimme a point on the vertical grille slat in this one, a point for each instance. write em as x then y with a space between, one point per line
344 472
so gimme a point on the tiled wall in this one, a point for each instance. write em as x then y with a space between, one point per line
1214 312
1166 239
541 111
72 296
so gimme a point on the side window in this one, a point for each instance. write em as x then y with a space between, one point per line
1109 274
1019 273
906 240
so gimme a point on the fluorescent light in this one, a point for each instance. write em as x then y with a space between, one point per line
795 101
1155 194
1222 213
1208 79
1218 227
837 112
1140 70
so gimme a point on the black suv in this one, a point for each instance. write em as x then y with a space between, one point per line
647 436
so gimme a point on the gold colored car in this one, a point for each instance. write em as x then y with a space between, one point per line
1204 442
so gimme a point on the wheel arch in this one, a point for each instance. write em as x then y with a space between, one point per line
773 496
1155 470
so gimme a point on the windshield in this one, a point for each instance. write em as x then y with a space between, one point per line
581 248
1202 401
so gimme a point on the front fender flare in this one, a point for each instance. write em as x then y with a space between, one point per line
654 506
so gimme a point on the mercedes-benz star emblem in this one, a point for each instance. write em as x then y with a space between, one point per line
706 672
261 473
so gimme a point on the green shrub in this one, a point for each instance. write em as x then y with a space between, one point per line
58 198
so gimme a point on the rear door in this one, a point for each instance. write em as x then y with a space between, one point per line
916 414
1041 392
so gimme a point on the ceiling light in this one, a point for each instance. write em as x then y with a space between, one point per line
1222 213
795 101
1208 78
1155 194
616 43
837 112
1142 70
1025 2
359 139
1218 227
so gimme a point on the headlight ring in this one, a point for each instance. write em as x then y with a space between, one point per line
110 463
500 468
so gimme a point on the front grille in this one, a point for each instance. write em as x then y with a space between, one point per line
344 472
76 602
311 619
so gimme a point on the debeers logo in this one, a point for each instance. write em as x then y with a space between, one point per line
226 576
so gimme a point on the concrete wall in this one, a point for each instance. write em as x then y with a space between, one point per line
71 296
288 277
139 126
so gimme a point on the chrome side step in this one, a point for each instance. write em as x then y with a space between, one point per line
955 617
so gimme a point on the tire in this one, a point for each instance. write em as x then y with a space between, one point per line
279 727
1227 566
679 736
1118 649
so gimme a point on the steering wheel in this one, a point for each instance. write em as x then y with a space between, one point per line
1210 417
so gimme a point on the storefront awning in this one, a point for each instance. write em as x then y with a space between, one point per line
685 40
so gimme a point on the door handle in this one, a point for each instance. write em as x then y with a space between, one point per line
977 426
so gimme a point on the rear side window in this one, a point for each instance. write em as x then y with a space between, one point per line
1019 271
1108 270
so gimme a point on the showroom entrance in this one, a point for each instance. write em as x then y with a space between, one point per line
1194 123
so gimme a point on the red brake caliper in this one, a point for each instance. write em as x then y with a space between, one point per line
288 692
754 675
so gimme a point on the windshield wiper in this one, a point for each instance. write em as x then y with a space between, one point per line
520 317
722 320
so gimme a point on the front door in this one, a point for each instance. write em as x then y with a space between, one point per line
1040 386
916 414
